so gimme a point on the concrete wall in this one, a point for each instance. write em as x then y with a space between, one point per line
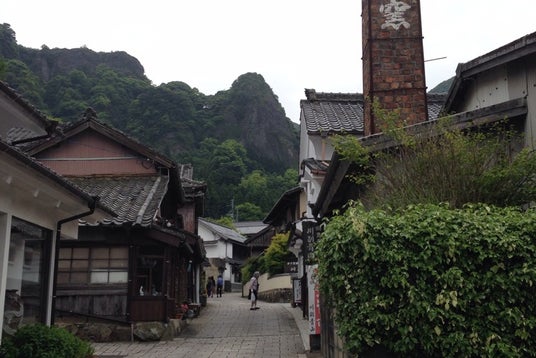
277 288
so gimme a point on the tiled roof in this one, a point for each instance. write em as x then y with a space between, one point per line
435 104
223 231
193 188
135 199
19 133
32 111
332 112
316 166
249 227
343 112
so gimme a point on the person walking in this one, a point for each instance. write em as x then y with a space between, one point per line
213 284
210 287
253 290
219 286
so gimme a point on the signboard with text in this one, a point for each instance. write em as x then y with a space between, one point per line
296 288
310 235
291 267
313 296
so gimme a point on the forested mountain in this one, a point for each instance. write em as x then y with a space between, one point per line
443 87
239 140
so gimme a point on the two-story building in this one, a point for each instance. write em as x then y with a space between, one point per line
226 251
143 263
37 207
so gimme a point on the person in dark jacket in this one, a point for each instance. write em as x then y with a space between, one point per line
210 286
219 286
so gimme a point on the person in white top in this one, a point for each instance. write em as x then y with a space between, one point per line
253 290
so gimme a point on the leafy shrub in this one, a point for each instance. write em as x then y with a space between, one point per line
275 256
249 268
272 261
430 281
40 341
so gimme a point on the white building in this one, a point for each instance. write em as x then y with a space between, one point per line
226 251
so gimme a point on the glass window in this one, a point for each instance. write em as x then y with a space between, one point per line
150 271
25 276
99 265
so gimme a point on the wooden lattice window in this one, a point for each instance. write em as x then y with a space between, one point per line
98 265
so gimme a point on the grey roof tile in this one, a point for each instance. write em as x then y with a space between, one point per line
223 231
18 133
435 104
315 165
135 199
332 112
343 112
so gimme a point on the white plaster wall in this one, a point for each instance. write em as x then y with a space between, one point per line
514 80
205 234
315 146
267 283
304 142
217 248
487 89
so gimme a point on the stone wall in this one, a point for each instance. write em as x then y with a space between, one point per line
113 332
276 295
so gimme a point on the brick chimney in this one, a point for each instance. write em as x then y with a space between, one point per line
393 60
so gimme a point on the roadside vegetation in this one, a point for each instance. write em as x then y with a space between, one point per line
272 261
437 258
40 341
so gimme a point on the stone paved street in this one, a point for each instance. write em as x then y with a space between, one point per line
226 327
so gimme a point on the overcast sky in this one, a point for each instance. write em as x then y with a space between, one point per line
293 44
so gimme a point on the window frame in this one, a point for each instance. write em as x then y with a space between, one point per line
93 266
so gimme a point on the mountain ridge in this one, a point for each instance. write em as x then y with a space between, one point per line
246 122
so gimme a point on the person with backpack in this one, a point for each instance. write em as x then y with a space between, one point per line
219 286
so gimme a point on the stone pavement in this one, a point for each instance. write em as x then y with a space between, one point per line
227 327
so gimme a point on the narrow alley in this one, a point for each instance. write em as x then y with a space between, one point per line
227 328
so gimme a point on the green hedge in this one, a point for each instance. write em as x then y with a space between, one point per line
40 341
429 281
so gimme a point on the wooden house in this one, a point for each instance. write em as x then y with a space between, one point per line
36 206
143 263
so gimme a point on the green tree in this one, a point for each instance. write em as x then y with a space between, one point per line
19 76
248 212
8 42
226 168
276 255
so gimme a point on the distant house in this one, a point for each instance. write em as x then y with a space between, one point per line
141 264
249 228
226 251
36 207
258 234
